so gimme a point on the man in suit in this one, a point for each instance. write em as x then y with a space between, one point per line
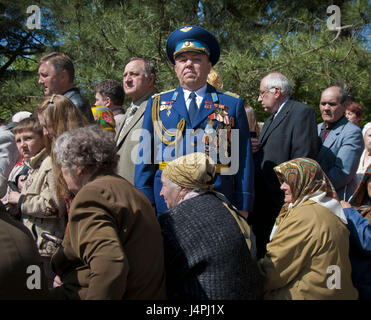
342 143
139 84
289 133
57 75
196 117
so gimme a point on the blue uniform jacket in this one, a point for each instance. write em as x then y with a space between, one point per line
212 131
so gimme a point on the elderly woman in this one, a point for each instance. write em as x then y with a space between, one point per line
307 257
365 159
358 213
207 242
113 247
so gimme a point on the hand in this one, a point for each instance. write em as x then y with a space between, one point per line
345 204
14 197
245 214
255 145
57 282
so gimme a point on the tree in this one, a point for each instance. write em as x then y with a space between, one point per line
256 37
19 45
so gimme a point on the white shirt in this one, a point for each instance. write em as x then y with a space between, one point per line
280 108
200 94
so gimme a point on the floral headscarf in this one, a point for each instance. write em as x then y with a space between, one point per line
307 181
360 199
103 116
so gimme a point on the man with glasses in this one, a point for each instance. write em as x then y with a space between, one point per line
289 133
342 143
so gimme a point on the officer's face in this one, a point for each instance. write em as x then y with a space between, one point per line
192 69
135 82
331 108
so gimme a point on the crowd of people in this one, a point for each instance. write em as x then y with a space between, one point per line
184 196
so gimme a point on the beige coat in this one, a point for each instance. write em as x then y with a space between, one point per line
308 253
127 141
41 210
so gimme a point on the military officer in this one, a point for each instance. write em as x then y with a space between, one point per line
196 117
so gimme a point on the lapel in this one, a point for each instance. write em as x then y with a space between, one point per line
180 106
267 130
138 114
123 132
333 135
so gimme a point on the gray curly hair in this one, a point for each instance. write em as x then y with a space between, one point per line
86 147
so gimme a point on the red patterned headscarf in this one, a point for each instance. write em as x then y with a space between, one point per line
307 181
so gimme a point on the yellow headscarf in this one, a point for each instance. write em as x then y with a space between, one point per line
194 170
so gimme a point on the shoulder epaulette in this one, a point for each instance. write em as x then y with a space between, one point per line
157 94
228 93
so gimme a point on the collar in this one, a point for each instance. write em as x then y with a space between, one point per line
34 161
330 126
71 90
117 111
144 98
281 106
199 93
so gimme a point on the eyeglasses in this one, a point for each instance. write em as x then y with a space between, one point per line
263 92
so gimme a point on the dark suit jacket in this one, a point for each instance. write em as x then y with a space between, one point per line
292 134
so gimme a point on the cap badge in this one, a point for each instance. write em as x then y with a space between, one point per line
186 29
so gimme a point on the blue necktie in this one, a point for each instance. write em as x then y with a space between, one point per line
193 109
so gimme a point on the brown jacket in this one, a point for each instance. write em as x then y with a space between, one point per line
307 253
21 273
113 245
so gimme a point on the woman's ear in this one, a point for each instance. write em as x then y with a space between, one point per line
79 171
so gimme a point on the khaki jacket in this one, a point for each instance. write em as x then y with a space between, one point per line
127 140
307 256
41 210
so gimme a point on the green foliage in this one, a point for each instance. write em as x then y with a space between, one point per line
256 37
